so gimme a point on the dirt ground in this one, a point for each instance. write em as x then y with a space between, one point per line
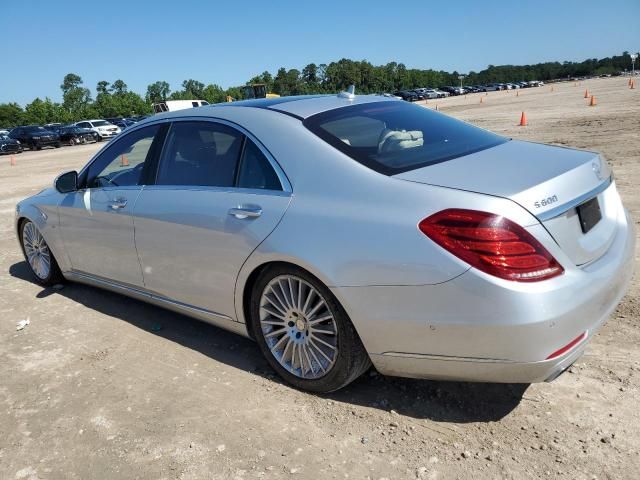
101 386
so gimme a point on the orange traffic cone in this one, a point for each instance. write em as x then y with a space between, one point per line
523 120
633 84
629 82
593 102
481 99
586 94
13 161
124 161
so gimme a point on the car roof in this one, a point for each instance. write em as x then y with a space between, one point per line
302 106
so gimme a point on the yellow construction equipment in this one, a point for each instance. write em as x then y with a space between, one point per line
255 90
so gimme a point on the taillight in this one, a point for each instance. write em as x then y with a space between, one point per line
491 243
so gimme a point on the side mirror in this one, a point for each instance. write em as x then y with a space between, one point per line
66 182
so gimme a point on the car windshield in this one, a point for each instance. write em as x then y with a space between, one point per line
101 123
395 137
35 129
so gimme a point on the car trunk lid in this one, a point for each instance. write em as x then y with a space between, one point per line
552 183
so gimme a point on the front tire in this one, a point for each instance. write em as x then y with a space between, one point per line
303 332
41 261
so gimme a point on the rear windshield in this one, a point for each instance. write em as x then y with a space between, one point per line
395 137
101 123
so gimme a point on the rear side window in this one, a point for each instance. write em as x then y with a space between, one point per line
394 137
256 171
200 153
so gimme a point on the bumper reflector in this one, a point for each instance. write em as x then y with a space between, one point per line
568 346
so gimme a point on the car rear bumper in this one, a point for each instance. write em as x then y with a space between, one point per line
480 328
475 370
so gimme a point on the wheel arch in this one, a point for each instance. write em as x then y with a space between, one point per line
48 227
250 273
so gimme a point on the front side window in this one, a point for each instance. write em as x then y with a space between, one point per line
394 137
122 163
201 154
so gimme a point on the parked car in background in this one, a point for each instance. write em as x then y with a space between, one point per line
72 135
490 87
9 145
95 135
103 128
4 131
453 90
407 95
441 93
122 123
35 137
427 93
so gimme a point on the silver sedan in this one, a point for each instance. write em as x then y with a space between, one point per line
344 231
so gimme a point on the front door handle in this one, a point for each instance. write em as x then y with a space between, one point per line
245 211
118 203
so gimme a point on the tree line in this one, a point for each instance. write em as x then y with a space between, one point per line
114 99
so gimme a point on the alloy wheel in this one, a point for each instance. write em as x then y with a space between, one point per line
37 251
298 327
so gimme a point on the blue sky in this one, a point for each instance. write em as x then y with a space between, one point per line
228 42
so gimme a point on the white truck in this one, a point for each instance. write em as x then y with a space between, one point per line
173 105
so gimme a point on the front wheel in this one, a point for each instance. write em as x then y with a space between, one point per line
41 261
303 332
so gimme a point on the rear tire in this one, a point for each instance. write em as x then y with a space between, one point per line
42 263
326 361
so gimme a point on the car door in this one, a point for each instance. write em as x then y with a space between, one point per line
217 195
96 221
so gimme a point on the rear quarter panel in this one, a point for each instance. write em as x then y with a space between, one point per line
351 226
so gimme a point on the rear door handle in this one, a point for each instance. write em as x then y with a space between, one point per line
245 211
118 203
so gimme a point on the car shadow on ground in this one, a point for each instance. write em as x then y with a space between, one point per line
457 402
